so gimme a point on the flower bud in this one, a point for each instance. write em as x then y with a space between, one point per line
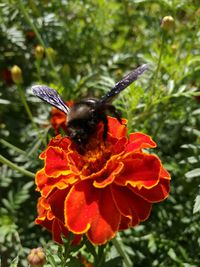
167 22
36 257
39 52
16 74
51 52
65 70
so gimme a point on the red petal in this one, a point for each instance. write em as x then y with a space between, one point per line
140 170
87 210
56 201
56 162
40 179
155 194
115 128
138 140
158 192
120 145
164 174
108 174
131 205
46 184
125 223
58 229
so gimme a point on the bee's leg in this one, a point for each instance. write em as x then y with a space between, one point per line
105 123
114 112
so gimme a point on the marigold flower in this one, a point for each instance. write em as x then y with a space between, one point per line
108 188
167 22
16 74
39 52
36 257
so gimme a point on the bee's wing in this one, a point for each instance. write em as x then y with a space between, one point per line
121 85
50 96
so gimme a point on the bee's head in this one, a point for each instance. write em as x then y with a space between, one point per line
81 122
77 133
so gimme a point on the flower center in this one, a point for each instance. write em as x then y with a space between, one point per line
97 153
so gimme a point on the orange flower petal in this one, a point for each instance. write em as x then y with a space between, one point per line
158 192
46 184
140 170
126 222
115 128
87 210
56 162
155 194
164 173
119 146
58 229
138 140
108 174
131 205
56 200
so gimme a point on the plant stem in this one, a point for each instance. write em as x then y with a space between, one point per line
121 251
15 167
9 145
37 64
39 37
155 76
29 113
26 106
160 55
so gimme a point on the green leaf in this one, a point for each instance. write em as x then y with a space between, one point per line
14 262
196 207
194 173
117 262
75 263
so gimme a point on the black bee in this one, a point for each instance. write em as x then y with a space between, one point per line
84 115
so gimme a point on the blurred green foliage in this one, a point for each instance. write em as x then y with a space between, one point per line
88 46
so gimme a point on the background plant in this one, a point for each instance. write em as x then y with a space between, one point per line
88 45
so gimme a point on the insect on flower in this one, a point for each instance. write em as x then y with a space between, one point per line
85 115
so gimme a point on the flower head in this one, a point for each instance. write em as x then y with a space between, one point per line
108 188
16 74
36 257
167 22
39 52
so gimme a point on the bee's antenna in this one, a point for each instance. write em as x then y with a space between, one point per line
50 96
125 82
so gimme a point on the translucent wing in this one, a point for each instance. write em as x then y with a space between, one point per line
50 96
125 82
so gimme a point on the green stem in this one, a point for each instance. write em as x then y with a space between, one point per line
15 167
121 251
155 76
160 56
29 113
37 64
39 37
9 145
26 106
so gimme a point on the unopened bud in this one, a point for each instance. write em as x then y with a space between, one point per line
51 52
16 74
36 257
66 70
39 52
167 22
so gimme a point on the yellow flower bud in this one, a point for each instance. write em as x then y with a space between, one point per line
16 74
174 47
66 70
51 52
167 22
36 257
39 52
